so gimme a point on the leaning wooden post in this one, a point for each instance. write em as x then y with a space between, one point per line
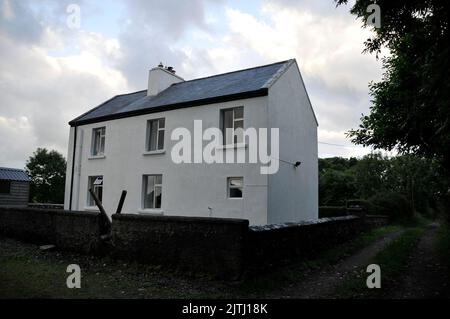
122 199
102 210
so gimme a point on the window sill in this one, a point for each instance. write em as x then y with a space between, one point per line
91 209
149 211
91 157
231 146
154 152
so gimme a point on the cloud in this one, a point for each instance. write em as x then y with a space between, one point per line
18 21
152 32
40 91
327 44
51 74
15 133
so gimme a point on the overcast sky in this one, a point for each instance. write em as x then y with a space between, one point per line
50 73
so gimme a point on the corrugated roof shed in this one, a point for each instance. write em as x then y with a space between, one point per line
228 86
13 174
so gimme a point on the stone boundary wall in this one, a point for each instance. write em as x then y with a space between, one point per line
211 245
278 244
68 230
219 246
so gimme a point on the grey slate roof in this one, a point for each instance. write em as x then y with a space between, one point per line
13 174
232 85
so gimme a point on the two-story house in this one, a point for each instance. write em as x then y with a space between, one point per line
127 143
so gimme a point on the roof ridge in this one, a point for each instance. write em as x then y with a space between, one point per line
130 93
241 70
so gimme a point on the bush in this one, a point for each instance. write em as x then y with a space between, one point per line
332 211
394 205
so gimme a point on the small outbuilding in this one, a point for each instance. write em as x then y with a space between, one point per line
14 187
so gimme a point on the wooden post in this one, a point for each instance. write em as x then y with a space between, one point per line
99 204
122 199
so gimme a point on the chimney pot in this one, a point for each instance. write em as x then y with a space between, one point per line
170 69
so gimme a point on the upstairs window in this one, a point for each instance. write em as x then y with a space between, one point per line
151 191
155 135
235 187
232 119
5 187
98 141
96 184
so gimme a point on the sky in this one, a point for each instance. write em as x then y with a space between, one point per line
53 69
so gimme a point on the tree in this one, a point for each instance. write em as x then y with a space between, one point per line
336 181
410 105
370 175
335 187
47 170
405 183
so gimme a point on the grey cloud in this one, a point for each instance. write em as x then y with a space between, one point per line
39 95
151 32
18 21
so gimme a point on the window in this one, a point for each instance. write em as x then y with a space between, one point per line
235 187
98 141
5 187
151 191
96 184
233 119
155 135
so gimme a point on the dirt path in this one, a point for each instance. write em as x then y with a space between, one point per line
322 284
426 277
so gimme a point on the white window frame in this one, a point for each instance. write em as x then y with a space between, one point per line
94 143
234 120
158 130
144 191
93 180
229 187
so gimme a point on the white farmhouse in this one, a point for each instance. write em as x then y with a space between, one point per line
126 143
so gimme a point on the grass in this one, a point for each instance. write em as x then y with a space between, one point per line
27 272
443 243
348 249
262 283
392 260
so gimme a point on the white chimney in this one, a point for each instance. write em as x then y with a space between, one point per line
160 79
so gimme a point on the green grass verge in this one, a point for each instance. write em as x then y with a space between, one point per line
392 260
265 282
443 243
26 272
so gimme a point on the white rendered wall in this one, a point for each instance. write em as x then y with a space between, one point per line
160 79
69 169
293 193
188 189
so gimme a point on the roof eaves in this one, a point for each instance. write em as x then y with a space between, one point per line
73 122
170 107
